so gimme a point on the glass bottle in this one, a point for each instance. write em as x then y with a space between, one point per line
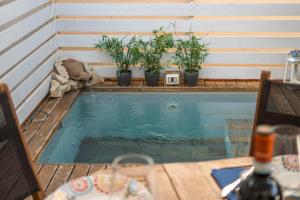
261 185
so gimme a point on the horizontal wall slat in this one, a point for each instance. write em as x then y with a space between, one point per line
178 25
213 42
20 29
22 70
176 9
184 1
22 50
15 9
33 100
194 18
211 50
199 34
21 92
225 58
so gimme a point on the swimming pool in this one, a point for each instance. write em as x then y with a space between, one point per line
170 127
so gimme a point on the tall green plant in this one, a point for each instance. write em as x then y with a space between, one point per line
190 54
152 50
123 54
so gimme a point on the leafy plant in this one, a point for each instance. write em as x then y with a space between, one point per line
123 54
152 51
190 54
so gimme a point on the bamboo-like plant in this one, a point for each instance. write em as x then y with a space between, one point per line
123 54
152 51
190 54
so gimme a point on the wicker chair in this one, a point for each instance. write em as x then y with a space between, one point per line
278 103
17 177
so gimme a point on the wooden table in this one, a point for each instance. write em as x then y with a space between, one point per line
191 181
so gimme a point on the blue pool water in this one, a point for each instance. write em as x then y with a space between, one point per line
170 127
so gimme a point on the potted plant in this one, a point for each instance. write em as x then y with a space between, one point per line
190 54
124 54
151 53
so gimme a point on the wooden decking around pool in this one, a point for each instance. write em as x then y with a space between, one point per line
39 132
139 85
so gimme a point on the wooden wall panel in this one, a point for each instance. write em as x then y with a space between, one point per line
214 57
179 25
67 40
34 99
176 9
33 80
15 9
211 72
29 65
9 59
20 29
27 51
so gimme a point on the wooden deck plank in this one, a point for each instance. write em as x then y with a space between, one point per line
80 170
95 167
220 84
46 174
137 83
241 83
60 177
37 167
292 98
40 139
201 83
252 83
231 84
279 102
109 83
40 106
210 84
164 187
35 126
190 182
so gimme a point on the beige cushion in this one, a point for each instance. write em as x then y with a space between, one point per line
76 70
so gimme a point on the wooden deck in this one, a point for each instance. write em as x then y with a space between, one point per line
38 133
138 85
177 181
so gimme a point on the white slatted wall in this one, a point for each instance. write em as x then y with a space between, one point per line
27 51
245 36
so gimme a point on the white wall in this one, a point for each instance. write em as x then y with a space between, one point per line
245 36
27 51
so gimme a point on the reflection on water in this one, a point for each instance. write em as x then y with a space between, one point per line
170 127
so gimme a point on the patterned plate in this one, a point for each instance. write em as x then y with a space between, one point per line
286 170
99 187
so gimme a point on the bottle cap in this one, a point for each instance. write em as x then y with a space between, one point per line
264 144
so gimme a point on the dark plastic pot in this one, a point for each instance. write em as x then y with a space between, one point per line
191 78
124 78
152 78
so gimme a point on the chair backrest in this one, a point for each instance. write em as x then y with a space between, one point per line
17 178
278 103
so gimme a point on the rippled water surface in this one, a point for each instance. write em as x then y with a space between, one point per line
170 127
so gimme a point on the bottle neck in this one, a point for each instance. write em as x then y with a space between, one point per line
262 168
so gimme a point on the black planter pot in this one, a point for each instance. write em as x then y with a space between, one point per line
124 78
152 78
191 78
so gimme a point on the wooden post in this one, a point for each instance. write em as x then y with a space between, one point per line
265 75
